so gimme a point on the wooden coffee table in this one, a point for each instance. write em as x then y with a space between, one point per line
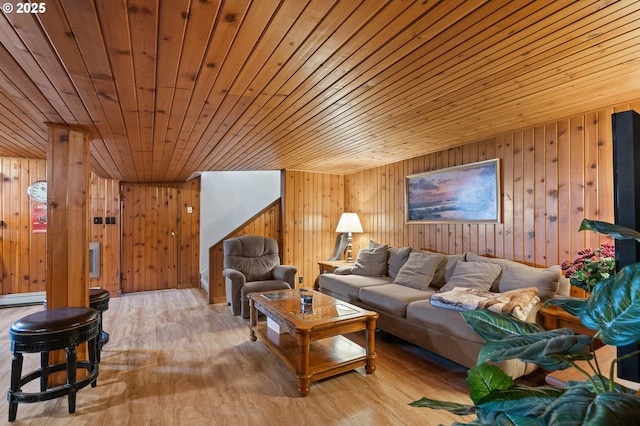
310 340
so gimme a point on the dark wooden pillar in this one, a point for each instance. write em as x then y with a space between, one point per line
67 217
626 186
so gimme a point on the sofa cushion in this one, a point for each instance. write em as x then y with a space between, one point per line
392 298
346 287
473 275
445 268
371 262
517 275
445 321
418 270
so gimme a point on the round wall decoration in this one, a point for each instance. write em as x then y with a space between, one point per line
38 191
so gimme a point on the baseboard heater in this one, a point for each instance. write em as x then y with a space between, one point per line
22 299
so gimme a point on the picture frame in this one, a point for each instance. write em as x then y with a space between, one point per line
469 193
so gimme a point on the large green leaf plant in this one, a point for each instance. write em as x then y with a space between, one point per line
613 310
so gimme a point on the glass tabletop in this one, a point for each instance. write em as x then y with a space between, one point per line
309 313
280 295
322 307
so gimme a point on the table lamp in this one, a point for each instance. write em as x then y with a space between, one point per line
349 222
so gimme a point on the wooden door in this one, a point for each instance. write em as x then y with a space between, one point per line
149 238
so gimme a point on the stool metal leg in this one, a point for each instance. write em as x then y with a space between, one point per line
16 373
94 357
45 370
71 377
99 339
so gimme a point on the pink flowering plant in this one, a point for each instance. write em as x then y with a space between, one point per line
591 266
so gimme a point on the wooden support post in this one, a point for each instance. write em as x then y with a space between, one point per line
67 227
67 217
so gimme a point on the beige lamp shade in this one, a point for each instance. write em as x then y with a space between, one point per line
349 222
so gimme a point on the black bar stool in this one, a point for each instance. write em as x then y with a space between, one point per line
42 332
99 300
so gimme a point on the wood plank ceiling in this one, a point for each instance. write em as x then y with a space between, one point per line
169 88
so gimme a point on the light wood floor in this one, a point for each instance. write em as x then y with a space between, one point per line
173 359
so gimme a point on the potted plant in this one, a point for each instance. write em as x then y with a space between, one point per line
590 267
613 310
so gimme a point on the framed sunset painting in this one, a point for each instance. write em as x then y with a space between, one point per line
462 194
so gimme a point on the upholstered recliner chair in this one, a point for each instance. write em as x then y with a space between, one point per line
252 263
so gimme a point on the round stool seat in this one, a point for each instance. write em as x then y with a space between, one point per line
49 330
99 299
53 329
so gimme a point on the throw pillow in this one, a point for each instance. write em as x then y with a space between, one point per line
397 258
475 275
374 244
517 275
343 270
418 270
371 262
445 268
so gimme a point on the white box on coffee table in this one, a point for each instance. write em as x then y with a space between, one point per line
275 326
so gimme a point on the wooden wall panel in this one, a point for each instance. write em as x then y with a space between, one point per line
22 253
189 236
105 202
267 223
23 265
313 203
553 176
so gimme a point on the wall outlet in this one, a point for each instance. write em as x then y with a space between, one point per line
301 279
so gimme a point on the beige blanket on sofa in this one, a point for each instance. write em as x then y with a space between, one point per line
517 302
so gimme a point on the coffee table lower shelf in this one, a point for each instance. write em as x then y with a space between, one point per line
327 357
313 346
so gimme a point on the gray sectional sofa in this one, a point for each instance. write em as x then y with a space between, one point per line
407 287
